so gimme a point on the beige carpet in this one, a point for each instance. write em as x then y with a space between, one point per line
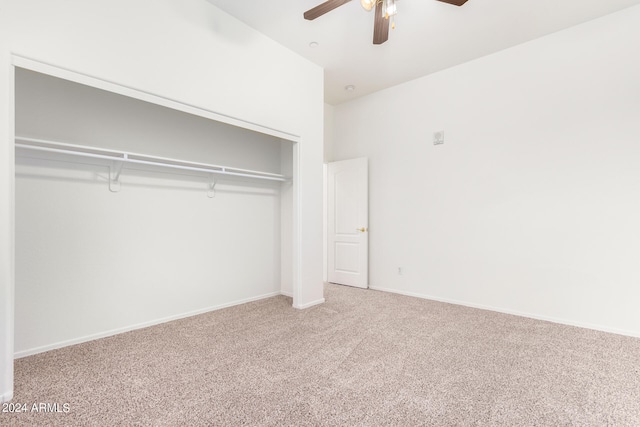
363 358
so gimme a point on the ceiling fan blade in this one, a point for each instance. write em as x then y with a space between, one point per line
323 8
454 2
380 26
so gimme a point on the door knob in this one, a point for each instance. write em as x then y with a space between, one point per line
362 230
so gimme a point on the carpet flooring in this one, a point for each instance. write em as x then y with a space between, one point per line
364 358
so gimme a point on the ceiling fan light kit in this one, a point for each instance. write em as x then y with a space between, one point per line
385 9
367 4
389 8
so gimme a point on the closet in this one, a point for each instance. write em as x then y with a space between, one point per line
130 213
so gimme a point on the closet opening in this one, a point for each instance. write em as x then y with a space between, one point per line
129 212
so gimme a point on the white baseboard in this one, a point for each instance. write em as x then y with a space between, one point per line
32 351
567 322
6 397
309 304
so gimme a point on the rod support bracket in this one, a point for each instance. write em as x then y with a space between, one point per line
211 193
114 176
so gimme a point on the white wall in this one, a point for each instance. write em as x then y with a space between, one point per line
56 109
90 262
328 132
188 51
531 205
328 157
286 219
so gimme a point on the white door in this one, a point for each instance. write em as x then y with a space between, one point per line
347 222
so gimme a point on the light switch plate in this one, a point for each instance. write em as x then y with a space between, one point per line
438 138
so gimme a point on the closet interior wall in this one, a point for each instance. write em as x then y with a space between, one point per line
90 262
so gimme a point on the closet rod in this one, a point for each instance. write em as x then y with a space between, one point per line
125 157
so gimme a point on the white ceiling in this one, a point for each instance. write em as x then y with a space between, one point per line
429 35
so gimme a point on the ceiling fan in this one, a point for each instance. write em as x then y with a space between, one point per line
385 9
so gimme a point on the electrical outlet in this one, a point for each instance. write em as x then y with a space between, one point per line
438 137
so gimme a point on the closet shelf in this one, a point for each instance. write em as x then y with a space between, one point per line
121 157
